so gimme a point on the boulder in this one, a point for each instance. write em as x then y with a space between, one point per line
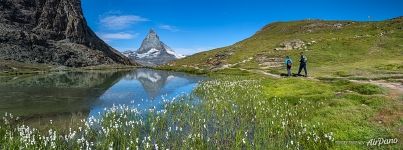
291 45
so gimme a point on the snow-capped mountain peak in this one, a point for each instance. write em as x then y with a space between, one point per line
153 52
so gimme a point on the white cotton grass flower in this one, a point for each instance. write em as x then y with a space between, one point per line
185 122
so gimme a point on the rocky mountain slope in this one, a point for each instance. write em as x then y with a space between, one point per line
342 48
153 52
52 32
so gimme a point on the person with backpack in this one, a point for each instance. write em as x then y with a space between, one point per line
288 63
303 60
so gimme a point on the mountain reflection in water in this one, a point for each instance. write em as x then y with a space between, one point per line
146 88
90 92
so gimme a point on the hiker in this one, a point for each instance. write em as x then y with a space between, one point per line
303 60
288 63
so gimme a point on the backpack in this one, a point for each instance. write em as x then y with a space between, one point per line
289 63
303 59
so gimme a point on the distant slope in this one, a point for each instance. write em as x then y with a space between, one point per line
332 47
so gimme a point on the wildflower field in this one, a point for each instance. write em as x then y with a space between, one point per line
222 113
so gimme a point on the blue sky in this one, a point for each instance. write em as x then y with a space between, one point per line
190 26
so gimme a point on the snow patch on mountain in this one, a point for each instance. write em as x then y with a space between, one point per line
172 52
150 54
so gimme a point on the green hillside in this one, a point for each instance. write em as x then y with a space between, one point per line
339 53
333 48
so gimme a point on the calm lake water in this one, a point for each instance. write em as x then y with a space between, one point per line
89 93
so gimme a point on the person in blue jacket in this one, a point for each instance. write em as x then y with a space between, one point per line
288 63
303 60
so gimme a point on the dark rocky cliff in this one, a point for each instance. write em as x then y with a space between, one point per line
52 32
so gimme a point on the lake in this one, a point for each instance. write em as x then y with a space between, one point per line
50 96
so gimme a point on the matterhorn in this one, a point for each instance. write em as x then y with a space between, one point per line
153 52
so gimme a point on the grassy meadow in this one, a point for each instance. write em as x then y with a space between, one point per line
249 111
333 48
338 52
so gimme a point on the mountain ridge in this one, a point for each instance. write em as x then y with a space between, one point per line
52 32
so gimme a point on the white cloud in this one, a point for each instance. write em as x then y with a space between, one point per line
117 36
121 21
169 28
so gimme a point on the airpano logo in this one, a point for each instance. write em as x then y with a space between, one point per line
371 142
382 141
